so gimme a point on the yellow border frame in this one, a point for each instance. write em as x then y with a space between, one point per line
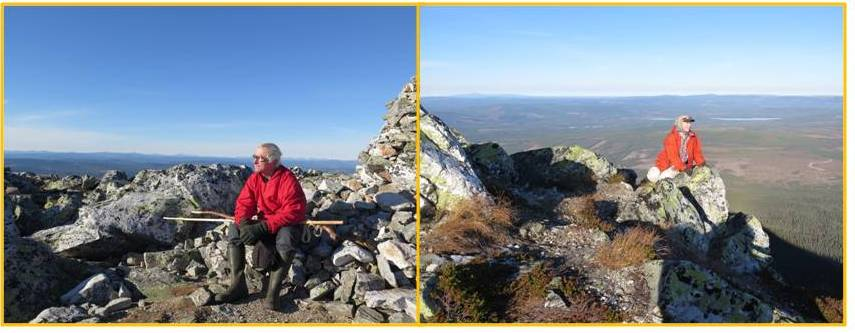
417 6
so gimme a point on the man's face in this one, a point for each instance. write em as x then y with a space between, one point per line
260 162
686 126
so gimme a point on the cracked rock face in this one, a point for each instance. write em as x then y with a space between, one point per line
447 172
134 220
35 277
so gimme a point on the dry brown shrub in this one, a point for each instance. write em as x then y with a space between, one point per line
471 293
474 225
528 295
831 309
531 285
583 211
616 178
631 247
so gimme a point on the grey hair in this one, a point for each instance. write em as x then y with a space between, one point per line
273 152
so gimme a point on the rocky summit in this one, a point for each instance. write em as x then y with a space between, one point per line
564 226
82 249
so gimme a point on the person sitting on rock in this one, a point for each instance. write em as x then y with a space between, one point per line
681 151
274 195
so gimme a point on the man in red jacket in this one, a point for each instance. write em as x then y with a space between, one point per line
272 195
681 151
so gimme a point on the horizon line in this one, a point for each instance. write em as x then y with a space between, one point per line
5 151
628 95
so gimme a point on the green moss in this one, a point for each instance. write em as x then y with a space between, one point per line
444 199
485 152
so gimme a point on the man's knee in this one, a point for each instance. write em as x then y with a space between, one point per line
653 174
669 173
233 235
287 239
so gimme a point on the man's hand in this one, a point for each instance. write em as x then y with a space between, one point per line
251 233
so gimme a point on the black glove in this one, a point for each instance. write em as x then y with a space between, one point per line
251 233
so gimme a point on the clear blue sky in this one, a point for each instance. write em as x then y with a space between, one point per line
619 51
203 80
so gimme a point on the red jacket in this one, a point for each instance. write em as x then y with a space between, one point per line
280 200
670 155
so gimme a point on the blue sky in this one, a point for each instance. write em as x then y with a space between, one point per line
203 80
621 51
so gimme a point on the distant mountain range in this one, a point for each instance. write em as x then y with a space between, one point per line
498 111
522 122
95 164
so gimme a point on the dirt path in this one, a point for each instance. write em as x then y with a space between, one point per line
812 165
250 310
598 144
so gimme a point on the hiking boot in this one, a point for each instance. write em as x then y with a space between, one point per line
274 284
237 288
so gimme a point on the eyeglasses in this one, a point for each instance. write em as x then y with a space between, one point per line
262 159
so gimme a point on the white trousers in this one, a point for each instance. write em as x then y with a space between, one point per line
654 174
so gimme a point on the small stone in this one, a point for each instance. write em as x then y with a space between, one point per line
392 201
353 197
402 217
60 315
316 280
200 242
201 297
196 270
399 253
349 252
340 310
392 299
96 289
342 208
386 271
322 290
330 186
115 305
365 314
400 317
345 291
133 259
553 300
367 282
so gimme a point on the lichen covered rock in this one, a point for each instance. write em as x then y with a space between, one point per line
134 220
686 292
748 249
447 173
493 165
567 167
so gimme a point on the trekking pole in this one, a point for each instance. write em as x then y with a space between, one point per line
325 225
